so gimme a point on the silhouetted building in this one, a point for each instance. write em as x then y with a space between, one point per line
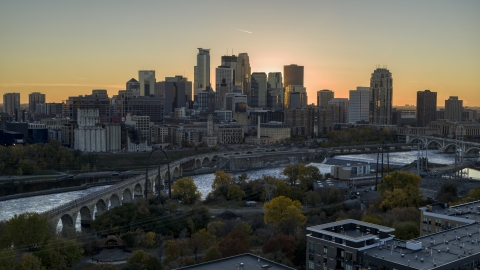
274 80
293 75
34 99
275 98
324 96
97 100
11 104
258 90
359 105
147 81
201 75
300 96
453 109
381 92
426 107
134 86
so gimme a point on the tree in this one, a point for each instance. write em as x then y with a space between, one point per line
236 242
185 189
60 253
235 192
474 193
243 178
400 189
221 179
281 209
372 219
406 230
448 187
29 262
312 198
199 241
291 172
301 174
281 243
7 258
212 254
148 262
172 251
146 240
27 229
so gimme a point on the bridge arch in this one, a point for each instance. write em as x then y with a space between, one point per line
114 201
205 161
101 207
67 222
417 139
473 150
450 148
198 163
127 196
86 216
176 172
138 191
434 143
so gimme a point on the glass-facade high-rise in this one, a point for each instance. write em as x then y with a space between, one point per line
381 91
201 78
147 81
359 105
274 80
258 92
242 73
293 75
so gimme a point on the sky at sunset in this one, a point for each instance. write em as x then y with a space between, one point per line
67 48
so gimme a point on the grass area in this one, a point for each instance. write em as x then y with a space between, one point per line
47 172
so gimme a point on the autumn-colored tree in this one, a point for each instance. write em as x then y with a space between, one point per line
372 219
216 228
212 254
281 243
172 251
291 172
400 189
235 192
30 262
199 241
221 179
243 227
281 209
27 229
146 240
147 261
235 243
474 193
185 189
302 175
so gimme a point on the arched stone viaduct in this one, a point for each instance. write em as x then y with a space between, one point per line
96 203
468 149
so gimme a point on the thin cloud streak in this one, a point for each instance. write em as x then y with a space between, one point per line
245 31
6 85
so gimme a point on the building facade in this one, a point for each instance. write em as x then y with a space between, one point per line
301 98
11 104
34 99
97 100
324 96
426 107
453 109
201 77
242 73
293 75
343 103
147 81
275 80
258 90
89 137
381 91
359 105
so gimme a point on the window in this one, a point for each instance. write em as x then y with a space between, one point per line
325 250
311 247
311 266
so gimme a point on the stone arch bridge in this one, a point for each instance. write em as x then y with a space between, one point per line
98 202
467 149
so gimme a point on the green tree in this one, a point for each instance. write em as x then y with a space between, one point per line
235 192
400 189
448 187
474 193
221 179
291 172
185 189
148 262
372 219
172 251
312 198
29 262
406 230
7 259
281 209
60 253
27 229
212 254
199 241
243 178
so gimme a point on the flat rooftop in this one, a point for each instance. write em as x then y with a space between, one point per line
436 249
349 229
248 260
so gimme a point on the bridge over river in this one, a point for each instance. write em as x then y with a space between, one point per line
132 188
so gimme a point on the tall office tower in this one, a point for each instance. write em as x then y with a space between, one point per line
34 99
275 98
300 97
293 75
274 80
342 103
324 96
381 97
224 82
11 104
453 109
147 82
426 107
134 86
242 73
201 77
258 91
187 84
231 62
359 105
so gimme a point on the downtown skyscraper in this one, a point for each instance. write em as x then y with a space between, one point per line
201 77
426 107
242 73
381 91
147 81
34 99
293 75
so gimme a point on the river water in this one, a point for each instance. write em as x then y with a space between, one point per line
204 182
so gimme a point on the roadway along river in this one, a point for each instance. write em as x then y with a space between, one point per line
204 182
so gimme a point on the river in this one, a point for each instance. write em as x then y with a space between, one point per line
204 182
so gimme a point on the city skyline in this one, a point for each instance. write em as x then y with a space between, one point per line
67 49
